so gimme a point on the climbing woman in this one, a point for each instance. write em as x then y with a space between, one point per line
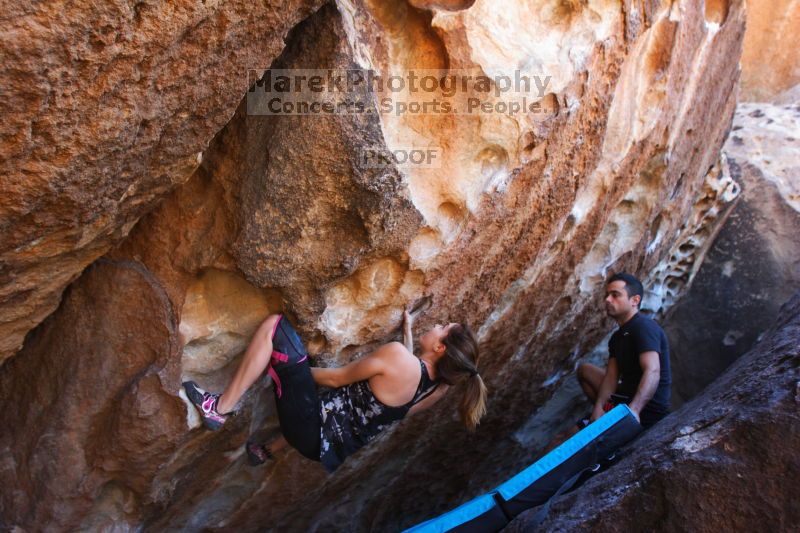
362 399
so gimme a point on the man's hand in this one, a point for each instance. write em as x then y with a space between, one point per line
636 414
607 388
651 372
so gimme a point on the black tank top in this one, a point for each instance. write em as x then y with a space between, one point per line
352 416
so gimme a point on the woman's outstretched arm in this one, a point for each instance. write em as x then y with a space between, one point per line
374 364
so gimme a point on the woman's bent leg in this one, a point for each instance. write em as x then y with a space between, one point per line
253 364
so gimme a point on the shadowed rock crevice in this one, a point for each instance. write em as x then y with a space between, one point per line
754 263
95 390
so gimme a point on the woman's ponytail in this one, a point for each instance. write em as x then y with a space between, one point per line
473 402
460 365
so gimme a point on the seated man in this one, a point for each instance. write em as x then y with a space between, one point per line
638 371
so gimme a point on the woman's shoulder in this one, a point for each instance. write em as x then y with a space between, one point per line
394 349
396 356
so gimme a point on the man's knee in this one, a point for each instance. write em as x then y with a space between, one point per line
581 372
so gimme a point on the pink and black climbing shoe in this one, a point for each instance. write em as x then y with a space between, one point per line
206 404
258 454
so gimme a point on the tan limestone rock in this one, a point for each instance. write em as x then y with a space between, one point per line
771 54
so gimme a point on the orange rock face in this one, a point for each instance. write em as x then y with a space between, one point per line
107 107
513 231
87 409
771 57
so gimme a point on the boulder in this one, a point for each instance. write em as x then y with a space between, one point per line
108 107
95 413
753 265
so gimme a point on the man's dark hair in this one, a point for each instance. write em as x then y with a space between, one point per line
632 285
